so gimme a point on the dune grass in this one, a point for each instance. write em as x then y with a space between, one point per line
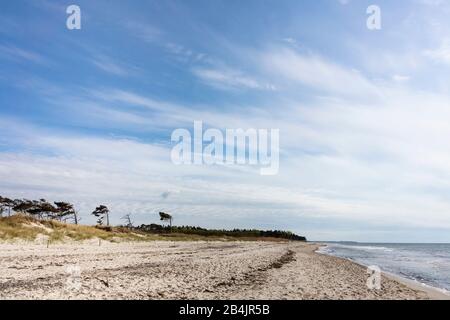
18 227
27 228
21 227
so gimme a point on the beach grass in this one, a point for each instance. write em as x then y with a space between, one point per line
22 227
27 228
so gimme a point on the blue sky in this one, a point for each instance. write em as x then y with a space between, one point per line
86 115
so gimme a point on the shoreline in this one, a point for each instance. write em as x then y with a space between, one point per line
434 293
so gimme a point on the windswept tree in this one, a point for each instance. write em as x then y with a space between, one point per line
24 206
128 221
45 210
65 210
37 208
166 217
101 212
41 209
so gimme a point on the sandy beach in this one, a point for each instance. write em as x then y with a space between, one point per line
187 270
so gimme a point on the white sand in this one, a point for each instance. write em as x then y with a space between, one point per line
186 270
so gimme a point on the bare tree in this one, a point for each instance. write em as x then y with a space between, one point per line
101 212
127 218
76 217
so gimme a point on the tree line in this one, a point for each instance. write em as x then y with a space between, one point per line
40 209
156 228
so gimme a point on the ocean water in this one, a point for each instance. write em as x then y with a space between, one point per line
426 263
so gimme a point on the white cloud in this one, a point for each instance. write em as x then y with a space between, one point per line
431 2
441 54
19 54
108 65
290 40
229 79
144 31
400 78
317 73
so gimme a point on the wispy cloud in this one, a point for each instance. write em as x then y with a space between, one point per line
18 54
229 79
110 66
144 31
431 2
440 54
400 78
316 72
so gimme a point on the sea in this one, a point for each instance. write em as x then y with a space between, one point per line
428 264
